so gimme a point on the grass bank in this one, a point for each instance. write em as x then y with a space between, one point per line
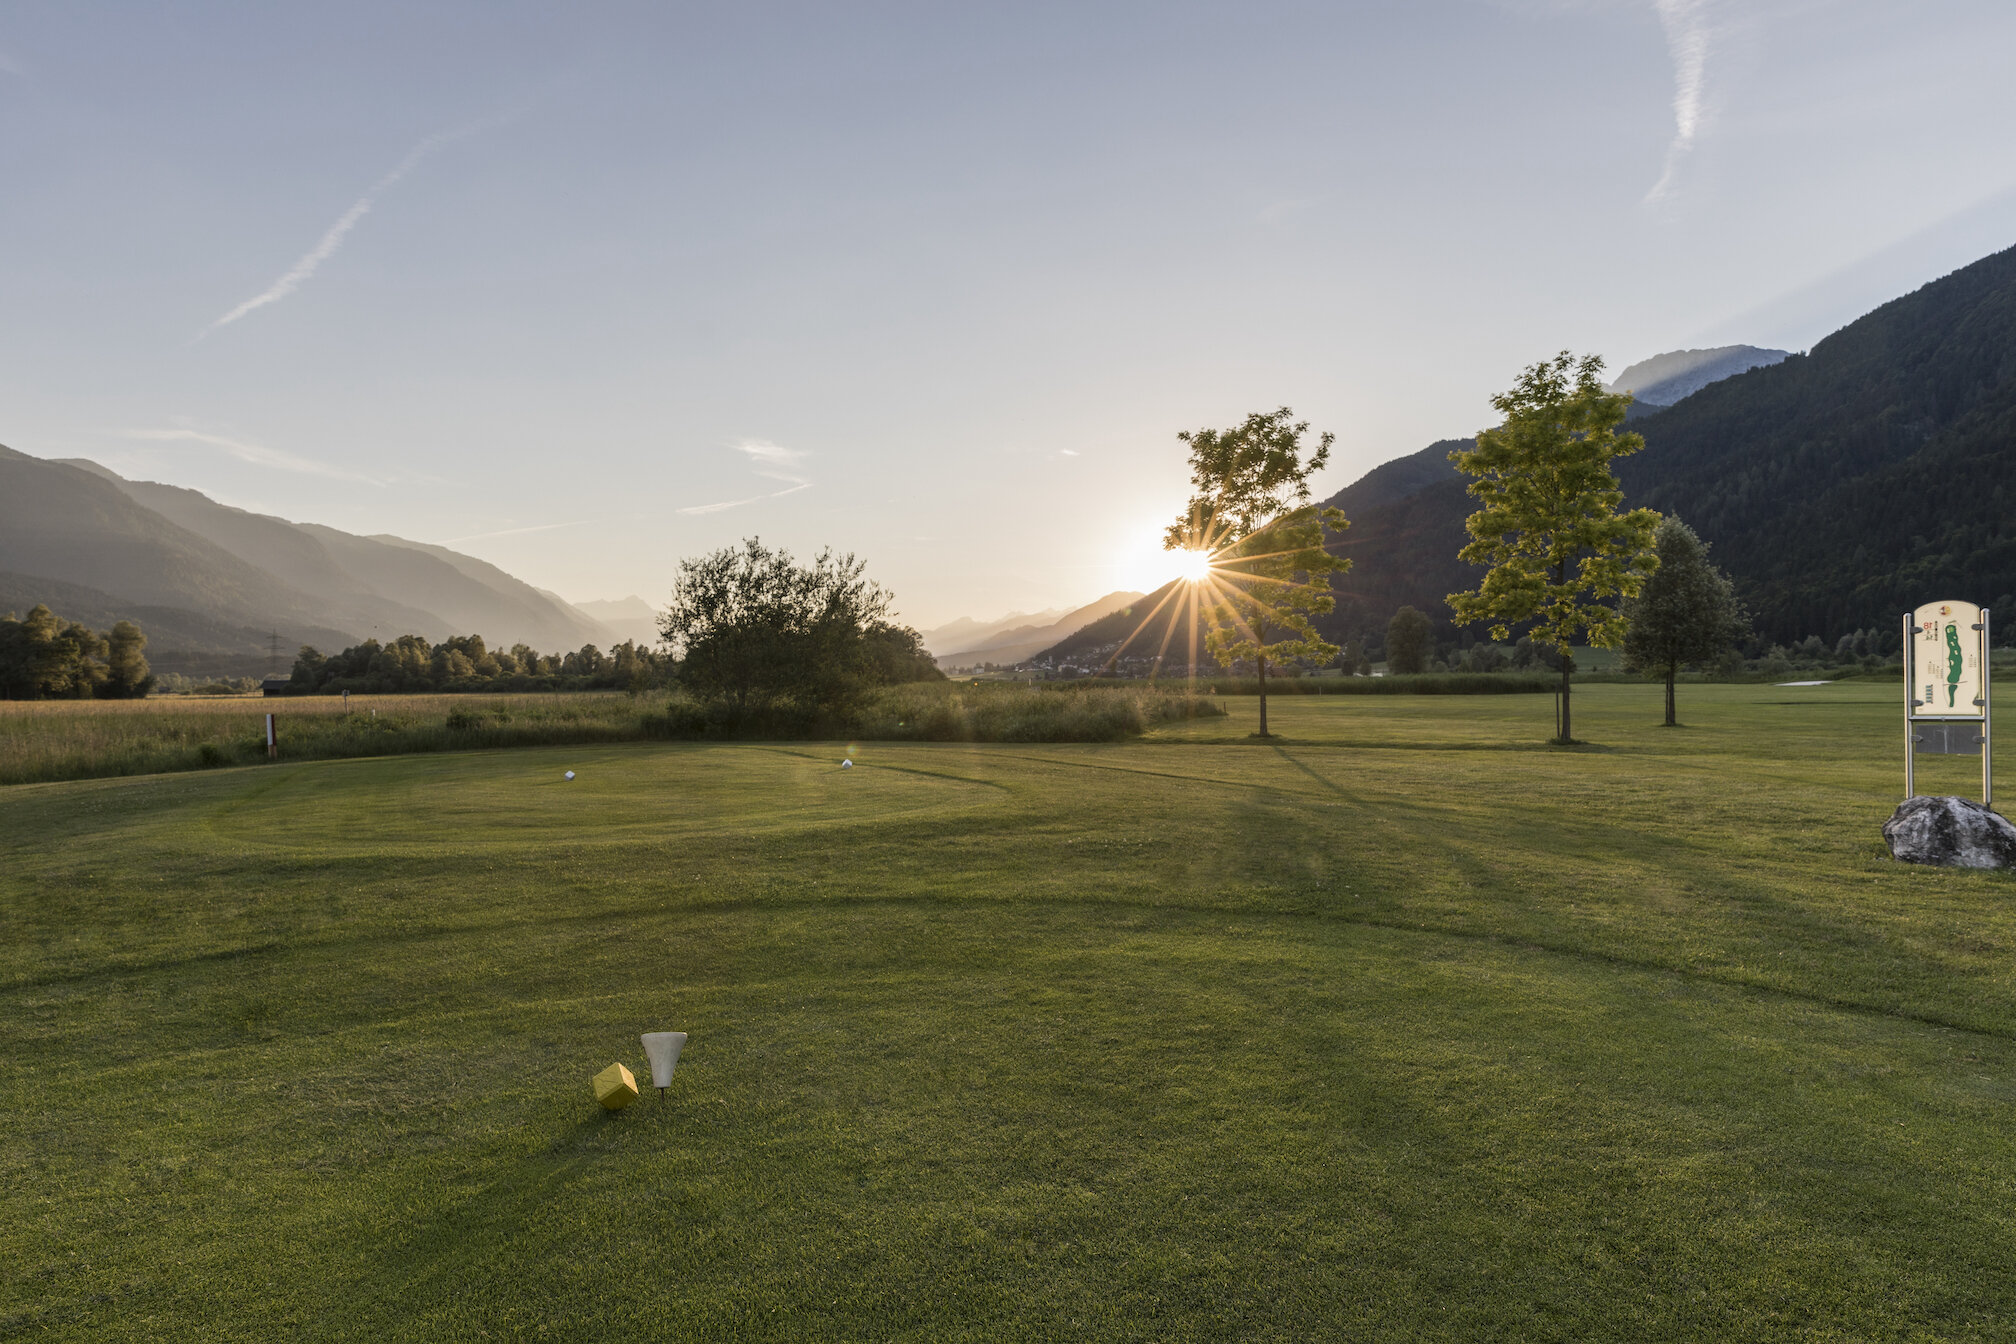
1403 1027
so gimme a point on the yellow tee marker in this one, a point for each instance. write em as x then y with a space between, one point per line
615 1088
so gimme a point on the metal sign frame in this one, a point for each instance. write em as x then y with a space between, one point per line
1913 719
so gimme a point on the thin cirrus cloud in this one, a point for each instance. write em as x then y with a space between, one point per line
332 241
256 454
1687 40
770 461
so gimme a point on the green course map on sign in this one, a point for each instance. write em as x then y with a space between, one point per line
1945 662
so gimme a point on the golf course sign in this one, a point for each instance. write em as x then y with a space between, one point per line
1946 686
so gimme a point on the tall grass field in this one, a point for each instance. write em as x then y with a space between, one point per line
81 739
1402 1026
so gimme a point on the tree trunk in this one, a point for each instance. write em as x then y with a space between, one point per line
1263 695
1567 665
1671 721
1567 669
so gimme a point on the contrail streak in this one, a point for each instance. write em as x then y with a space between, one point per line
769 460
1686 25
738 503
331 241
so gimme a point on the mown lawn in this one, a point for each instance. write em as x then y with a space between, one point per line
1403 1027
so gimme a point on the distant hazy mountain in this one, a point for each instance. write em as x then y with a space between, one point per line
141 544
1665 379
967 633
629 617
1142 626
72 526
1026 641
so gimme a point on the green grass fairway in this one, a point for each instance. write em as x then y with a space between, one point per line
1403 1027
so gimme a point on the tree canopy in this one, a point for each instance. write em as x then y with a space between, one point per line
753 628
1408 641
43 657
1549 532
1686 612
1249 512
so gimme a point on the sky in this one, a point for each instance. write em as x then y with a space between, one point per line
586 289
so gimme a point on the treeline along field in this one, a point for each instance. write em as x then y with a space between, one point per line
54 740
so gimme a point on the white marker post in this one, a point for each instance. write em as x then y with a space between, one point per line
1946 695
272 740
663 1047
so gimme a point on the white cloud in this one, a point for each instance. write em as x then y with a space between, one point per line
1687 40
772 462
332 240
256 454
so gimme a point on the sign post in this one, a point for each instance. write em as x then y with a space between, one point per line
1946 710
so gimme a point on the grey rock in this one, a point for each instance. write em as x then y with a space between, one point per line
1665 379
1956 832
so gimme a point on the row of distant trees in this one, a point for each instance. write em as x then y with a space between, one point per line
748 628
410 664
43 657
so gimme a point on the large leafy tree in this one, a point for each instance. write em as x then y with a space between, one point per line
1409 639
1250 514
753 628
127 674
1549 531
43 657
1685 613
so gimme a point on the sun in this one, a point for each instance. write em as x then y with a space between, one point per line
1193 566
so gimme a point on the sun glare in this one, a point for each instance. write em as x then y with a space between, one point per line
1192 566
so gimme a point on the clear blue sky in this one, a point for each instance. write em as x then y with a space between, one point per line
935 284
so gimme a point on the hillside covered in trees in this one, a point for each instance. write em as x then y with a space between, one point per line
1838 488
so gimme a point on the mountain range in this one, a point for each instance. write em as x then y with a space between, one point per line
1837 488
1665 379
630 618
218 588
1017 643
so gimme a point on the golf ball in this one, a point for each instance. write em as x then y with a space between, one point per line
570 774
846 765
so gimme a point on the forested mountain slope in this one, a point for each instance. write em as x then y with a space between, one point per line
1838 488
1848 484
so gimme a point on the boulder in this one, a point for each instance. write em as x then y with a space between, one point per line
1957 832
